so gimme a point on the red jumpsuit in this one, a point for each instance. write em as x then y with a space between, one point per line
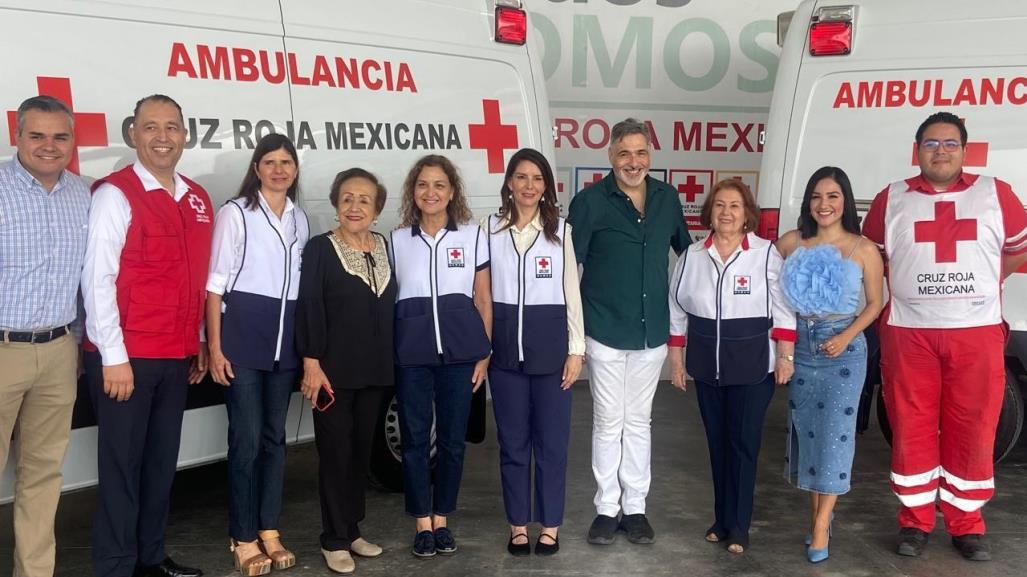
942 340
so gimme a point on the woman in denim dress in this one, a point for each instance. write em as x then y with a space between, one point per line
829 269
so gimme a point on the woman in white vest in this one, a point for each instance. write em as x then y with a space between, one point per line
726 305
538 344
252 288
443 322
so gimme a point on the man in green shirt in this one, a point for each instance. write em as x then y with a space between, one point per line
623 229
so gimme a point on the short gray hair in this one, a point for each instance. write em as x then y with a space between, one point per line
42 104
627 127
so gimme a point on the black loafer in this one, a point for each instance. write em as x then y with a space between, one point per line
424 544
167 568
519 549
911 542
603 530
445 542
638 529
546 549
972 547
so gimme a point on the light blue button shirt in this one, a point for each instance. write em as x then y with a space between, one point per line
42 246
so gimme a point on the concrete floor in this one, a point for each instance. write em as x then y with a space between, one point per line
679 504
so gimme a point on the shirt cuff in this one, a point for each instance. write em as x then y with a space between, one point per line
576 347
677 341
114 355
787 335
217 283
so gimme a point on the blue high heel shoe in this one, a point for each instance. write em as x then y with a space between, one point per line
809 536
817 555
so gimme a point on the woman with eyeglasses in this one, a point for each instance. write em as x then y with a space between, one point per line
344 333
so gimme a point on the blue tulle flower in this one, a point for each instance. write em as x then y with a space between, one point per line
818 281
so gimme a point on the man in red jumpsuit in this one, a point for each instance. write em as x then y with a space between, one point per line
950 238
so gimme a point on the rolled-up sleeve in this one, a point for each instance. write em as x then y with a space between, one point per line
227 248
783 315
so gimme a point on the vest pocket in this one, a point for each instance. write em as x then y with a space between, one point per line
415 341
463 335
162 247
150 318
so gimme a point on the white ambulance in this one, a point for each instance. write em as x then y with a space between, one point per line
855 81
369 84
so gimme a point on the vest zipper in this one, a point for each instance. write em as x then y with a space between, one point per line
721 274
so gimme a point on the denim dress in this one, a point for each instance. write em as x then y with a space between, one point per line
824 288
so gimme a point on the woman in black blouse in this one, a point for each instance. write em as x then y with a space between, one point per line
344 333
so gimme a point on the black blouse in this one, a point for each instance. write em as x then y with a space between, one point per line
341 321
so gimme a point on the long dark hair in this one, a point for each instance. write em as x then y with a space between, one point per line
548 212
250 187
850 219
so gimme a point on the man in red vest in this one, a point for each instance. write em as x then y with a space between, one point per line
144 287
950 238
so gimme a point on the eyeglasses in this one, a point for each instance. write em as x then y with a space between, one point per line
325 398
949 145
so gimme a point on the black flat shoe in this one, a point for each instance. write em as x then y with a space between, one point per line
519 549
546 549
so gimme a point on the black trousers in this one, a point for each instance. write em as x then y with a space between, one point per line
137 453
733 417
343 435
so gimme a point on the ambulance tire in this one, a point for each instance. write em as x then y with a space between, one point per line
386 470
1010 421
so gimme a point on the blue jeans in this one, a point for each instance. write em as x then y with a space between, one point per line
257 403
447 389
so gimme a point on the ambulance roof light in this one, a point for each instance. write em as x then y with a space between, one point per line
511 22
830 31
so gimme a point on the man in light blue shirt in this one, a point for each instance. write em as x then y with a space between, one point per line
44 212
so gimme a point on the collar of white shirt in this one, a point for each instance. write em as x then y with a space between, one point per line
150 181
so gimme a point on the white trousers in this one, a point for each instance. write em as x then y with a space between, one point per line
622 384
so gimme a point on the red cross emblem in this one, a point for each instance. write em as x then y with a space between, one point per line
543 268
945 231
456 257
596 177
493 136
742 281
691 188
90 127
742 285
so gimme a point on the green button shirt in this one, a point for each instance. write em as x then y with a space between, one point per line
625 259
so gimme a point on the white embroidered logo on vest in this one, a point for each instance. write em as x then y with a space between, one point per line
199 207
543 267
456 257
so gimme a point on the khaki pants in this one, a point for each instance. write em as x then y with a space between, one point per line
38 383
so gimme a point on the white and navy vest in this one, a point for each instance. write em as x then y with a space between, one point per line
944 256
730 313
529 310
436 320
259 306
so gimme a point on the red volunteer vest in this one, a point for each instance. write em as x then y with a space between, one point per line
161 285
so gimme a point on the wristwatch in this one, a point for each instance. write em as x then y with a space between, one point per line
789 358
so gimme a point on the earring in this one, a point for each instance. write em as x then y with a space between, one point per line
375 222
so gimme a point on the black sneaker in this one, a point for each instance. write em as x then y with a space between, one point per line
603 530
911 542
445 543
638 528
424 544
973 547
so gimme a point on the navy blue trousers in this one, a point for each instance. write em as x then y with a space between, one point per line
533 417
137 453
733 417
442 391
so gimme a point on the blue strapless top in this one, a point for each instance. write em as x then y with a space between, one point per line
818 282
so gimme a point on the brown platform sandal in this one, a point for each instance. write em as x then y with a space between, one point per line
259 564
271 542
